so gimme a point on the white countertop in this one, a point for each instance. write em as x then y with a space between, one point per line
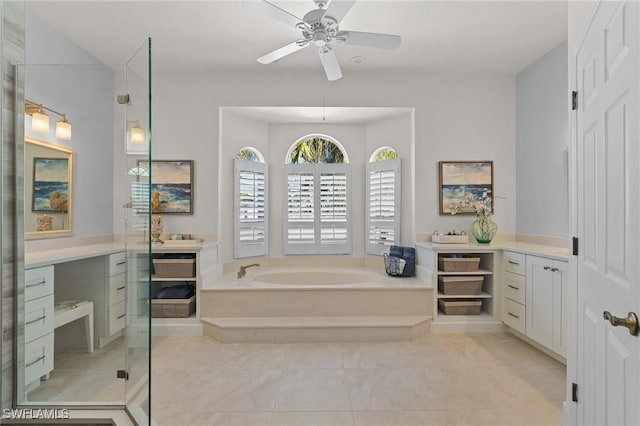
553 252
49 257
68 254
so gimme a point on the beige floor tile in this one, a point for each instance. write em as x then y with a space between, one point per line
207 418
313 355
313 390
322 418
407 418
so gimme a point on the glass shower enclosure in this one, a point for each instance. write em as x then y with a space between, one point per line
85 341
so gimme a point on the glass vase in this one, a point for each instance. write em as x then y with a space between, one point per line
484 228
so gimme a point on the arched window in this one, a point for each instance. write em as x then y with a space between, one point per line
317 202
250 204
317 149
383 153
250 154
384 199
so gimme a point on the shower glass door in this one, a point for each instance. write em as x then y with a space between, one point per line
137 153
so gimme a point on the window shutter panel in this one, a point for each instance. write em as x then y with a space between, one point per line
383 205
250 209
318 209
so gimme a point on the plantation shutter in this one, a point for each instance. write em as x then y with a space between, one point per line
250 209
383 205
138 216
318 209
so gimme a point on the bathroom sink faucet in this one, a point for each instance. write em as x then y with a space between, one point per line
243 269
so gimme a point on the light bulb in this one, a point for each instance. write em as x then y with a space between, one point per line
137 135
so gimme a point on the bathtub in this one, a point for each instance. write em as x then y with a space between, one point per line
314 277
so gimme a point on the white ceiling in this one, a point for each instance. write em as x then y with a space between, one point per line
329 115
482 37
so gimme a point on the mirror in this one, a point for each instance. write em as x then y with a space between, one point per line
48 187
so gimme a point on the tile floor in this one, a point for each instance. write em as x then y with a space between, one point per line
80 377
443 379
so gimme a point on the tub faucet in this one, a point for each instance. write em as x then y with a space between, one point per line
243 269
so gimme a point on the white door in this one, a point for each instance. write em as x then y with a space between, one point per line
608 214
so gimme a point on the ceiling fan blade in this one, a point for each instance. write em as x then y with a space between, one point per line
279 13
339 8
330 63
358 38
281 52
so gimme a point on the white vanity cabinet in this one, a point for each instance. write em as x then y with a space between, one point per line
547 296
535 297
39 320
116 271
514 306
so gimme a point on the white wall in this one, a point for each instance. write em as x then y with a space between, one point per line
456 118
85 93
542 146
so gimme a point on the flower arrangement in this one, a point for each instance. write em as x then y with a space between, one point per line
483 228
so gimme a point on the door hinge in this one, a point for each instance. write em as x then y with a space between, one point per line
122 374
574 100
123 99
574 392
575 246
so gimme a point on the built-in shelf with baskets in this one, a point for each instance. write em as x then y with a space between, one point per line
464 277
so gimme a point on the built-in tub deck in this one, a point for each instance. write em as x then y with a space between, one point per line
301 304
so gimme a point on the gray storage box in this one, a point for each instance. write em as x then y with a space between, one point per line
173 308
460 307
174 267
464 285
458 264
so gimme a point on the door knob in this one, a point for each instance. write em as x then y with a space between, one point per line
631 321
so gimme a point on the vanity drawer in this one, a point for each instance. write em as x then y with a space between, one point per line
39 318
116 317
38 282
117 263
117 289
38 358
513 315
514 262
513 287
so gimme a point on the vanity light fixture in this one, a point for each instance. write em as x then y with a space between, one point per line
63 129
40 120
137 134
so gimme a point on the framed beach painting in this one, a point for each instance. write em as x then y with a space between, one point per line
460 180
50 185
171 186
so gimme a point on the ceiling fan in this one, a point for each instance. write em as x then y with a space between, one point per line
320 27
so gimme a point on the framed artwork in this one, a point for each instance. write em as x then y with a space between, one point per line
50 185
464 180
171 186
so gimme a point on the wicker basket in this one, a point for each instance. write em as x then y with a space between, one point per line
460 307
173 308
458 264
394 266
168 267
460 285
